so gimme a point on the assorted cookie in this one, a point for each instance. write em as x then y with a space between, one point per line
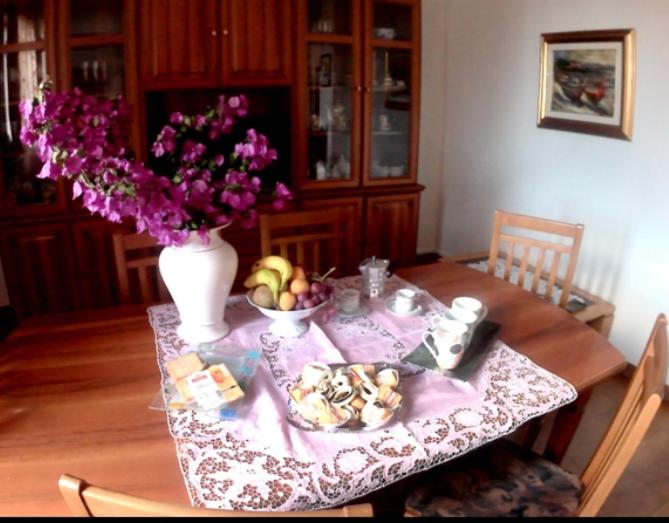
352 396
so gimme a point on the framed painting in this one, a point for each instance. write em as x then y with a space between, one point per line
587 82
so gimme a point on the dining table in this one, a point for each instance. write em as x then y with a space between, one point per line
75 390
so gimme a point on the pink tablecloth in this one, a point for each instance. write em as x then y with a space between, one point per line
263 463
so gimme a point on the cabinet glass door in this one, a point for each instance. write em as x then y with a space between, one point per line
96 44
391 91
98 70
98 17
330 16
330 106
99 37
330 114
23 65
390 113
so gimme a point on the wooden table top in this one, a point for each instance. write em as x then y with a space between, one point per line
75 399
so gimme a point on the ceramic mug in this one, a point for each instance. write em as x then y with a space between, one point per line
465 303
447 341
405 301
467 317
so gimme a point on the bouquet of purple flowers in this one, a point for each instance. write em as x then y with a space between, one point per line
83 138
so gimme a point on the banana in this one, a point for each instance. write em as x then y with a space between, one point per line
267 277
277 263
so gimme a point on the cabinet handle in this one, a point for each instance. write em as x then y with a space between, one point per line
358 88
214 33
368 90
225 32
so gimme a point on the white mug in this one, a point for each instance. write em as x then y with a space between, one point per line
465 303
465 316
405 300
447 345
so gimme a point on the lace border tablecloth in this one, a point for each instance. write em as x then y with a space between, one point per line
263 463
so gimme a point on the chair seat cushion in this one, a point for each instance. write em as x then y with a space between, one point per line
500 479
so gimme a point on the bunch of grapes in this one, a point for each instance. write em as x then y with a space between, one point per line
318 293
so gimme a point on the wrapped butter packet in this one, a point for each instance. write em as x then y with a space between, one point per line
211 380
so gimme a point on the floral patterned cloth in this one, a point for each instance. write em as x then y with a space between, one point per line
261 462
499 480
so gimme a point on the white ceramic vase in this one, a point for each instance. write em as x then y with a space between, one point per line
199 278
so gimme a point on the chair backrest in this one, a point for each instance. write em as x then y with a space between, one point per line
87 500
136 258
546 252
641 403
316 240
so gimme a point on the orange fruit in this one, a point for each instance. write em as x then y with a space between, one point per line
299 286
287 301
298 273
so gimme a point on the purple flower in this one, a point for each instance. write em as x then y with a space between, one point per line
192 152
85 139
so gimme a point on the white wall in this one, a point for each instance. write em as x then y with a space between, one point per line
494 156
432 123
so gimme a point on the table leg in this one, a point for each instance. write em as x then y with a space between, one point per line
566 423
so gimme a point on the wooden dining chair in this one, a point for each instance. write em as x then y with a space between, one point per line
547 252
87 500
136 257
315 240
502 479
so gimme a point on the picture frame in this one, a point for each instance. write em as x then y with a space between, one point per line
325 70
587 82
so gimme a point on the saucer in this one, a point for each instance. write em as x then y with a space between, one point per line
390 306
361 310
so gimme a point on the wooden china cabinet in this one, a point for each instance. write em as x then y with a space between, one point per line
346 74
357 108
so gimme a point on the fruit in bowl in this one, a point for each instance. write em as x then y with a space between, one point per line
286 293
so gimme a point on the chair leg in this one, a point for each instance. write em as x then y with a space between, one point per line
566 423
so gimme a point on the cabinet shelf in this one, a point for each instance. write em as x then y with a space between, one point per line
329 87
329 38
392 44
96 40
329 133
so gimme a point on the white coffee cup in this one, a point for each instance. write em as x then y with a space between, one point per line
465 303
348 300
405 300
447 341
465 316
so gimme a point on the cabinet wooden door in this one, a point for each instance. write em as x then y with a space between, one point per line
179 43
392 227
38 269
256 42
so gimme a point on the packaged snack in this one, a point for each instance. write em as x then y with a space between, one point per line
211 380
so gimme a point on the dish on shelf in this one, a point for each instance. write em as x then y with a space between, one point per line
344 397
